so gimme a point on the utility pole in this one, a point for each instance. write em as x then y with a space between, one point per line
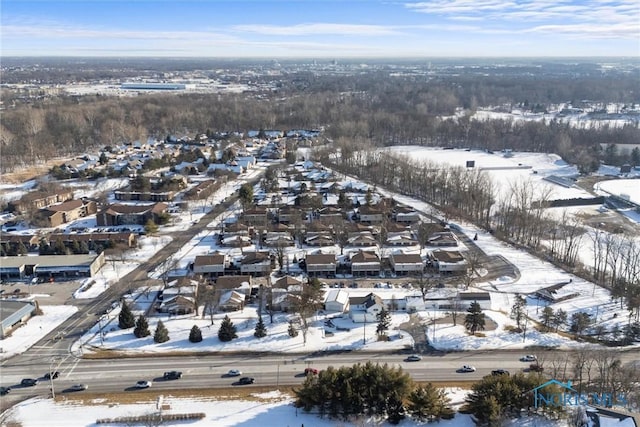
51 371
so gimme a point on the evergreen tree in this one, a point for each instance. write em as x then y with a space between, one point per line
518 310
559 319
547 317
142 327
579 322
227 330
428 403
151 227
261 330
474 320
384 321
292 331
162 334
125 318
195 335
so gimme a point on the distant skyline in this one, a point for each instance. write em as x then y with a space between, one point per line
321 28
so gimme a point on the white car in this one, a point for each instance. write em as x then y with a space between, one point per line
467 368
234 373
143 384
528 358
414 358
78 387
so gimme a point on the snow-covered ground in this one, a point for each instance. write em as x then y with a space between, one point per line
261 409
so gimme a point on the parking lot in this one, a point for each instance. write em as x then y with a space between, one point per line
56 293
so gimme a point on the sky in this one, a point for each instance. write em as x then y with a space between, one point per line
321 28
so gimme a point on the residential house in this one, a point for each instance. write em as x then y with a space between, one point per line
337 301
403 264
442 239
210 265
278 239
365 264
482 298
317 239
256 263
117 214
242 284
405 238
257 215
370 214
13 241
449 261
321 264
365 308
94 239
281 300
329 213
231 300
363 239
39 200
288 214
68 211
406 215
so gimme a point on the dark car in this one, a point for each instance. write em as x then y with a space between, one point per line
246 380
499 372
534 367
172 375
28 382
5 390
51 375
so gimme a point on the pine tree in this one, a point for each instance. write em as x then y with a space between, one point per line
162 334
292 331
547 317
518 310
474 320
261 330
142 327
429 403
560 318
384 321
227 330
125 318
195 335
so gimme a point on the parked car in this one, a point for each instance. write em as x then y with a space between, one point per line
535 367
246 380
311 371
5 390
51 375
528 358
78 387
414 358
467 368
143 384
499 372
172 375
234 373
28 382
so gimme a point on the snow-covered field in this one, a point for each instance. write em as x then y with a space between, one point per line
262 409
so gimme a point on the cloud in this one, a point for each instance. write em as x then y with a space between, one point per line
312 29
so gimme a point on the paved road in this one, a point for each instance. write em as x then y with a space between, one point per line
205 372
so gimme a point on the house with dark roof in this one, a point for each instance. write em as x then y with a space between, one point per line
370 214
210 265
365 264
118 214
321 264
449 261
442 239
257 215
365 308
256 263
406 263
68 211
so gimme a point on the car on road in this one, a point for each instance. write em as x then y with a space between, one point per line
528 358
497 372
143 384
5 390
51 375
536 367
311 371
467 368
78 387
28 382
414 358
246 380
172 375
234 373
